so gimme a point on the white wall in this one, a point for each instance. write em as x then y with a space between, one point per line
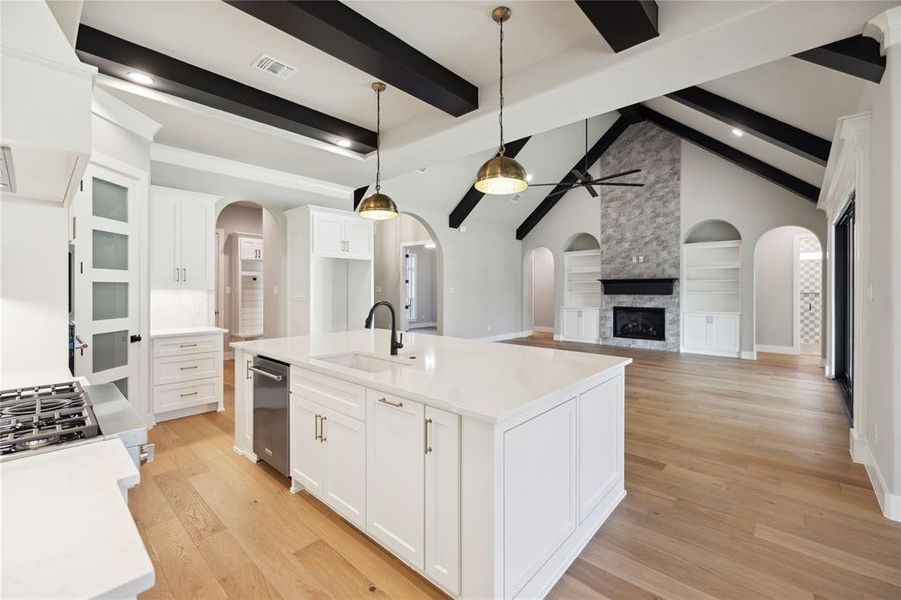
713 188
389 235
775 287
542 288
274 269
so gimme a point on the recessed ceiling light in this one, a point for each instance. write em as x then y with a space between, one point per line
737 132
528 177
343 143
142 78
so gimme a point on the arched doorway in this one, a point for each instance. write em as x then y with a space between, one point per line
409 273
788 292
539 285
248 272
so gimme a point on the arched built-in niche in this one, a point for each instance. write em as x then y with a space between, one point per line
581 241
712 230
788 285
407 231
539 290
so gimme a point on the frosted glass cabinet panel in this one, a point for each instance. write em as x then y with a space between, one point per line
110 300
109 201
110 350
110 250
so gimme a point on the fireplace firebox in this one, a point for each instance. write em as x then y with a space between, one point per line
639 323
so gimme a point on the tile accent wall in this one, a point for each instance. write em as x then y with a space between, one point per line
642 222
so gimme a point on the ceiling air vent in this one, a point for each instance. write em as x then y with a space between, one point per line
274 67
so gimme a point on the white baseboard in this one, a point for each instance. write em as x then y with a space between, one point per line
543 329
749 354
712 353
888 502
776 349
505 336
563 338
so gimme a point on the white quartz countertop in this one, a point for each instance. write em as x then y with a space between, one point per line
180 331
485 380
66 528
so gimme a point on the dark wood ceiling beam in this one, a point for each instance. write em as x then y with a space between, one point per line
594 154
472 197
341 32
117 57
623 23
858 56
359 194
776 132
736 157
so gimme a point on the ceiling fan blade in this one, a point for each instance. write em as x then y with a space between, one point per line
591 191
555 184
581 176
614 176
622 184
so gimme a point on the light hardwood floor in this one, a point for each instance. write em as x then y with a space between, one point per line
739 486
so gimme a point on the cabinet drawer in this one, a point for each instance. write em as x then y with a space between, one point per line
184 395
175 369
341 396
181 346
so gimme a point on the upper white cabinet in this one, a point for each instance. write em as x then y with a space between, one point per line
330 270
395 475
250 248
341 234
182 239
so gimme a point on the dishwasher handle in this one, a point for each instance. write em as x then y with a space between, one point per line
266 373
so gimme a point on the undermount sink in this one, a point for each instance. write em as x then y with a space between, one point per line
362 362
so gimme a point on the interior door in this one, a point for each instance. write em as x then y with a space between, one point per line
105 234
844 308
409 288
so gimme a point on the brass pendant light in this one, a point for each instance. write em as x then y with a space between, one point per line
501 175
378 206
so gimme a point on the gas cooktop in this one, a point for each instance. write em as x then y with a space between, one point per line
35 418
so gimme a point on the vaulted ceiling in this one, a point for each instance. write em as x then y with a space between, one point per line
560 68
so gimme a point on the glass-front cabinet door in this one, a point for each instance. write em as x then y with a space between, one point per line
104 236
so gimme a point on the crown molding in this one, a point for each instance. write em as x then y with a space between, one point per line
885 28
189 159
108 107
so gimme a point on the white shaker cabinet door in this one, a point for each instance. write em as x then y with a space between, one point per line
358 238
344 445
165 242
572 323
442 498
694 331
395 470
600 443
306 449
591 325
328 235
724 333
197 245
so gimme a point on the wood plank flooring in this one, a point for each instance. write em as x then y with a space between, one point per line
739 486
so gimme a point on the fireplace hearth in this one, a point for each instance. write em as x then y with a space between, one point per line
639 323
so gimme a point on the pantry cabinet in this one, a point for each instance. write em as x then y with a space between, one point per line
182 239
341 234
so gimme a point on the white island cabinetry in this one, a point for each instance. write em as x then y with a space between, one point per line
489 481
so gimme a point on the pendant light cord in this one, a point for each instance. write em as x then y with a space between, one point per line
501 116
378 144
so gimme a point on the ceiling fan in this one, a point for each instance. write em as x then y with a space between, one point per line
583 178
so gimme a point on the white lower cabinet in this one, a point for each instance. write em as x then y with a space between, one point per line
582 324
186 375
711 333
600 444
442 498
395 475
328 457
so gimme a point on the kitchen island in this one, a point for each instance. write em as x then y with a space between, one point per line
486 467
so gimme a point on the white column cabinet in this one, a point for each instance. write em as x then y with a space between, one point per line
395 470
182 239
442 498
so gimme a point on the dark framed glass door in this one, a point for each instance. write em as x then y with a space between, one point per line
844 307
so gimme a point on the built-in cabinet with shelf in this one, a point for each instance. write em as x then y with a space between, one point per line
330 270
247 285
581 310
182 239
711 297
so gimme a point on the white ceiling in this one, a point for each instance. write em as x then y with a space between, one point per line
796 92
559 70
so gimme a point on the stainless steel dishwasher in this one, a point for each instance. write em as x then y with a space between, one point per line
270 412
